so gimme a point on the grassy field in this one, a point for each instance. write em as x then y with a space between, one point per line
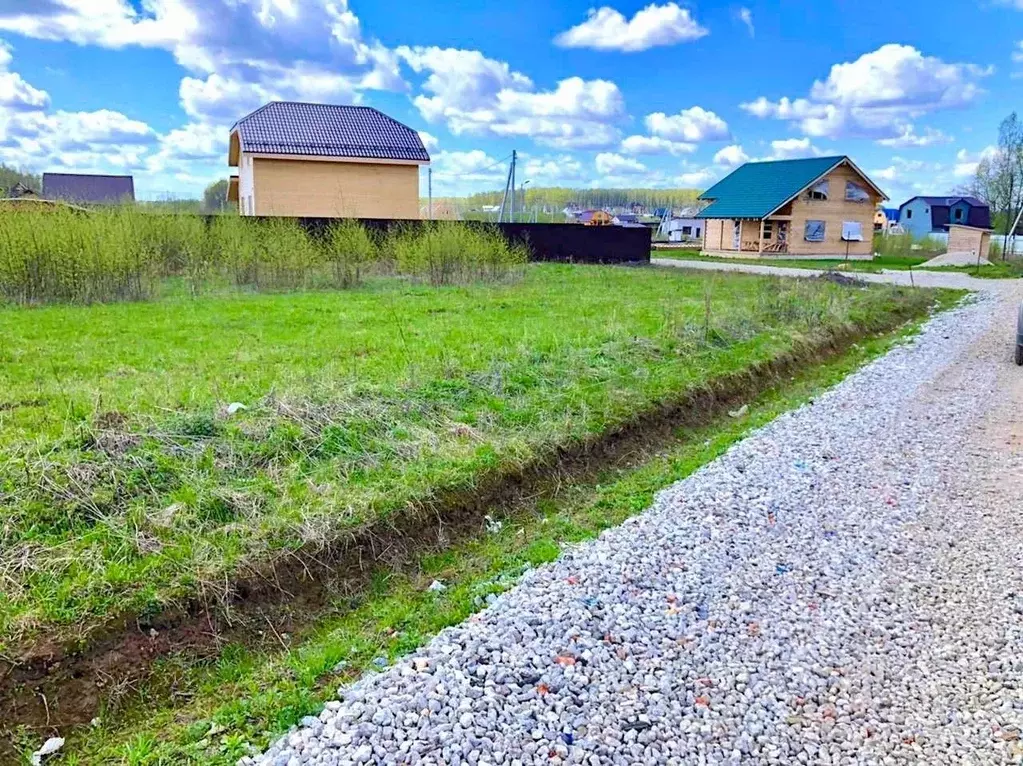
129 482
229 708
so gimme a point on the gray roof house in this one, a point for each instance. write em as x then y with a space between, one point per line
88 189
325 160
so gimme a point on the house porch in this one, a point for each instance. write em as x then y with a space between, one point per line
748 237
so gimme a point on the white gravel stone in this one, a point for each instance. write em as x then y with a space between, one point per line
841 587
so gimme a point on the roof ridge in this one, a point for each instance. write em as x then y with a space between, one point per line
88 175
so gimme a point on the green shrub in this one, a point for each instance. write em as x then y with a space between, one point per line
124 253
449 253
66 255
350 250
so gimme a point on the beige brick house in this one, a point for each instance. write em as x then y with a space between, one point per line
325 160
820 207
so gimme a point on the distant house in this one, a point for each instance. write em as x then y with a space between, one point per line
682 225
325 160
886 219
626 219
820 206
21 191
87 189
932 215
595 218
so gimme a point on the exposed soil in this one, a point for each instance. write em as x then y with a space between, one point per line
57 686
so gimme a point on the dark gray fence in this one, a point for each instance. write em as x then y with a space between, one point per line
568 242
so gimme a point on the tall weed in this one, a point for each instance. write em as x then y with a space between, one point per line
444 253
125 254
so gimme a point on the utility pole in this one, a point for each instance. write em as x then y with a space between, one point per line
507 182
511 217
429 192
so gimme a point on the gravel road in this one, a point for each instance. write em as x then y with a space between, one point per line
842 587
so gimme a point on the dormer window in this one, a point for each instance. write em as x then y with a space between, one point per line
856 193
818 192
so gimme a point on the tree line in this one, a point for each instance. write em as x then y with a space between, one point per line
559 197
999 179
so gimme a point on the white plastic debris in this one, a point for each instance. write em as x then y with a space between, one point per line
437 586
739 412
493 525
50 746
235 407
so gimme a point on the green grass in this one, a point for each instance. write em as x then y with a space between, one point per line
876 265
125 486
1011 269
1008 269
245 699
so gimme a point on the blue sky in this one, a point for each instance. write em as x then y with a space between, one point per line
624 94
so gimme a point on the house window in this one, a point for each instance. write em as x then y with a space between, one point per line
813 231
852 231
856 193
819 191
697 231
687 231
768 229
909 214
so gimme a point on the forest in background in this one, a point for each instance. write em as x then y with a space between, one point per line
559 197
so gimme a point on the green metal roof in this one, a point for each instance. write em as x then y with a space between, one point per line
758 188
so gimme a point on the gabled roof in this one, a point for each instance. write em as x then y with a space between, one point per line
328 130
79 187
948 201
757 189
978 216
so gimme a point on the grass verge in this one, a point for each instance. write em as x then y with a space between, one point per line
997 270
130 485
216 712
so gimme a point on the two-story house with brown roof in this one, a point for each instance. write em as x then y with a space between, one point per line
325 160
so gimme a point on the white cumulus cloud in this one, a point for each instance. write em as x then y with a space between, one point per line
731 156
966 162
235 51
475 95
655 145
694 125
430 141
793 149
611 164
607 29
878 96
